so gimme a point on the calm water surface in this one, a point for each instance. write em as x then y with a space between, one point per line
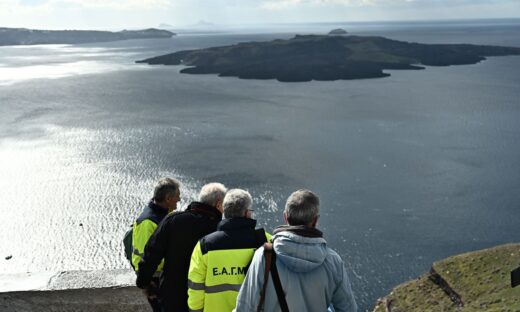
410 168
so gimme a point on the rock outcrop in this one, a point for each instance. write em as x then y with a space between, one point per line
338 31
475 281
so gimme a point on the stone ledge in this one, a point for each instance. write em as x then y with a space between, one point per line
74 291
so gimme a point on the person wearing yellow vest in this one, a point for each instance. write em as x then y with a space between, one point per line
165 198
174 241
220 260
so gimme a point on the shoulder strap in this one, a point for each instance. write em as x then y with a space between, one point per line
270 266
278 285
268 252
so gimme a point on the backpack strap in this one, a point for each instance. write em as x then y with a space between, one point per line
270 266
268 253
278 285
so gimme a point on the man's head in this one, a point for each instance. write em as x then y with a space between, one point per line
302 208
212 194
167 193
237 203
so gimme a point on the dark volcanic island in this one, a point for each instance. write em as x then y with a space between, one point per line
313 57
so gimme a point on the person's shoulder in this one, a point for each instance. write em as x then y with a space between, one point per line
172 216
145 214
211 240
333 257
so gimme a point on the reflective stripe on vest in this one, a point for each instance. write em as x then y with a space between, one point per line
215 288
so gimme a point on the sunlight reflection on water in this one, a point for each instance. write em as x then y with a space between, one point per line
72 196
11 75
23 63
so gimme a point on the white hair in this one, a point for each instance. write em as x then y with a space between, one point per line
236 203
212 193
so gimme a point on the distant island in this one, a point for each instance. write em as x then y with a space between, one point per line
338 31
23 36
324 57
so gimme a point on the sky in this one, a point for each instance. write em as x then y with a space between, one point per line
130 14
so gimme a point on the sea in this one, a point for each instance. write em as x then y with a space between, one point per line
409 169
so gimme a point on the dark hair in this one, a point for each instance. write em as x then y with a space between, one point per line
164 187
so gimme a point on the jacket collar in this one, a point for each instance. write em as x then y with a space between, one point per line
236 223
301 230
208 210
158 210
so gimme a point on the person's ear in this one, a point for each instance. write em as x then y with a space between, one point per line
315 221
220 205
285 218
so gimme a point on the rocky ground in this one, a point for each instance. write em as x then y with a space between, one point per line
475 281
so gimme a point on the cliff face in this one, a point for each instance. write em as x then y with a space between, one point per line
476 281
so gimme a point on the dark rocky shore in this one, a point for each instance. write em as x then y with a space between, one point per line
323 57
22 36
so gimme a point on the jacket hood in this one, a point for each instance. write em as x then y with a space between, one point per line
299 253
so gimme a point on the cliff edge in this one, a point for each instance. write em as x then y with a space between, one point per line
475 281
72 291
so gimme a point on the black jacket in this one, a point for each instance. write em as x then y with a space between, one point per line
174 241
234 233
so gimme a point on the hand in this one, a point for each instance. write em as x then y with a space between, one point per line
151 290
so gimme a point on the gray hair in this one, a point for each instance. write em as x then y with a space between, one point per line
236 203
164 187
302 207
212 193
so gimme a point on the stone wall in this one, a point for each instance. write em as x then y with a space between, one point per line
71 292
